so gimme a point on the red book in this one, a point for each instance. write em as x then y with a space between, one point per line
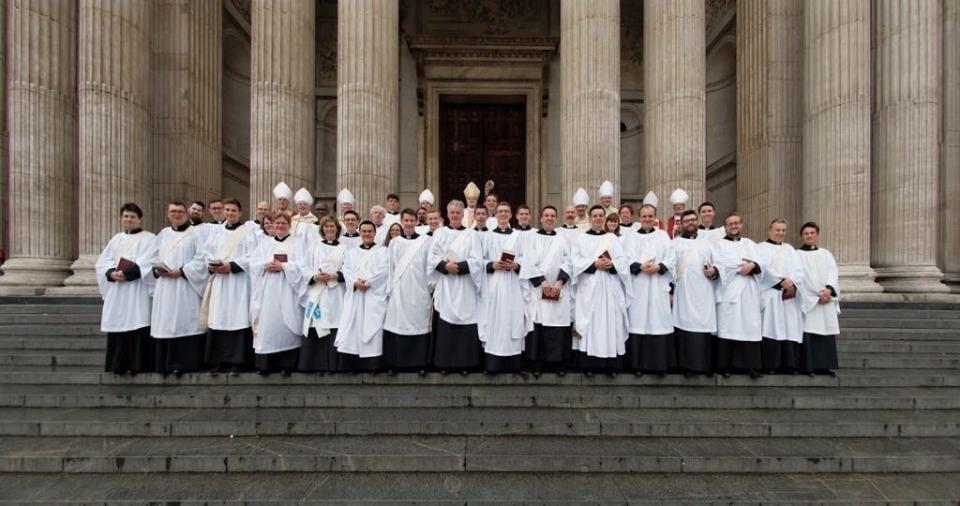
787 294
550 297
507 256
125 263
280 257
606 254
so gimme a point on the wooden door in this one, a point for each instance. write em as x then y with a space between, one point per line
479 142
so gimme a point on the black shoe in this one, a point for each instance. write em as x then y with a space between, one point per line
536 374
755 374
234 371
687 374
391 372
262 372
423 372
286 374
588 374
321 373
725 374
465 373
178 373
771 372
523 374
132 373
612 374
443 373
662 374
561 373
638 373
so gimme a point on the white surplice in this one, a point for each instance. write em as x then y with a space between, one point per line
126 304
361 324
456 295
738 296
275 311
504 322
546 255
649 312
782 320
600 312
408 303
820 271
176 301
694 300
228 295
323 301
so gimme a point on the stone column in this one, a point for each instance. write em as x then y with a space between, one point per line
589 95
769 113
950 164
906 129
367 109
42 80
281 95
114 97
674 80
187 78
836 134
3 123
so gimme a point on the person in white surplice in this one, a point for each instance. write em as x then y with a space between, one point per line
456 256
694 300
406 330
503 319
323 302
650 345
738 300
126 287
277 282
178 330
600 274
226 299
546 265
819 295
782 319
366 270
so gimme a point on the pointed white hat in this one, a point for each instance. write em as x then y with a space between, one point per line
282 191
303 195
651 198
679 196
426 196
345 197
580 198
606 189
472 191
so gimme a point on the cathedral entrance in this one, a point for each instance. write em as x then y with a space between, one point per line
481 142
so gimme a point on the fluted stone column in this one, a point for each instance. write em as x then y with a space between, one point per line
836 134
42 71
3 121
674 80
367 110
590 95
187 78
114 97
906 131
950 164
769 112
281 95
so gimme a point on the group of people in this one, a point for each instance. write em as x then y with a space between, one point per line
483 291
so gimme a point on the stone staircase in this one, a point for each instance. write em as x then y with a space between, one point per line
885 430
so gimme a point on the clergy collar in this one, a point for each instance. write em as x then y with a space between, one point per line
183 227
257 222
499 230
481 229
771 241
378 226
688 236
523 228
331 243
367 246
461 227
411 236
393 212
641 230
626 225
232 227
597 232
545 232
134 231
215 222
728 237
430 233
348 234
278 239
705 228
194 222
809 247
569 227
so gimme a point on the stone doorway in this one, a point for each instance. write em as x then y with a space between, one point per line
483 140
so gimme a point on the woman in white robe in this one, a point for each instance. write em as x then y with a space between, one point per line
546 265
650 347
504 321
694 300
126 288
365 275
782 319
277 282
175 323
600 271
323 302
226 299
406 329
819 295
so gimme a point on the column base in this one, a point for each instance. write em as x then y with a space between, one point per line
952 280
84 272
857 279
912 279
32 276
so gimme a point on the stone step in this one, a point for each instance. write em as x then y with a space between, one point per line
487 488
80 375
901 334
528 422
897 346
881 321
341 454
48 309
51 329
90 343
493 396
54 358
50 319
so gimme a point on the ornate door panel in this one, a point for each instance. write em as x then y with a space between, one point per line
479 142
